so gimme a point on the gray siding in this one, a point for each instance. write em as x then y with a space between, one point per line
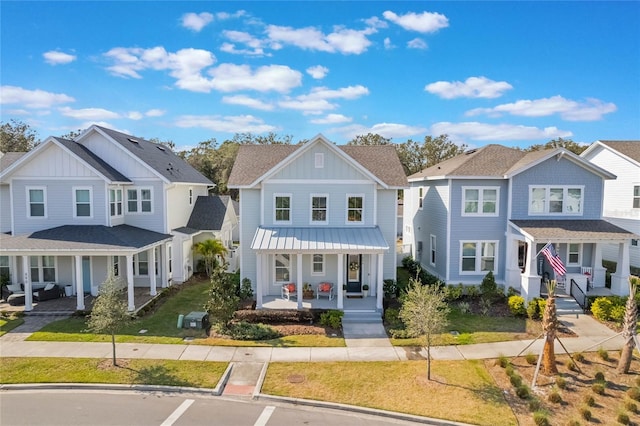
153 221
335 167
387 217
5 209
250 220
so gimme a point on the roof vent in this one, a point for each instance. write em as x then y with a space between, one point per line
471 151
160 147
133 140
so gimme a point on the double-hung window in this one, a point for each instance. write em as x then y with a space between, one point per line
317 264
432 257
115 202
36 200
575 254
556 200
116 265
478 257
282 265
318 209
636 196
82 202
42 268
139 200
141 263
4 267
420 197
355 208
480 201
282 208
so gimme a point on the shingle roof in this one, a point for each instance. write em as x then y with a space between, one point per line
158 157
93 160
629 148
83 237
253 161
208 213
8 158
550 230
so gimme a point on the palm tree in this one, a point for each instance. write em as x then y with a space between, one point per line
550 327
210 250
629 327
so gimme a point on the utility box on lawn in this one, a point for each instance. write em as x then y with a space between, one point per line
196 320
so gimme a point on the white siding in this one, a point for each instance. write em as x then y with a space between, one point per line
250 215
114 154
178 208
54 162
387 217
5 209
153 221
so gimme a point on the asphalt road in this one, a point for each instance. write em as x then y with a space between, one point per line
120 408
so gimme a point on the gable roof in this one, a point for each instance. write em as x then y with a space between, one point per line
208 212
497 161
627 149
254 162
159 158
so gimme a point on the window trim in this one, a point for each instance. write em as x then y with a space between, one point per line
277 195
40 267
420 197
137 262
433 250
478 257
565 190
139 200
322 262
7 267
190 195
579 253
636 198
347 209
44 201
326 209
480 211
75 190
275 269
115 202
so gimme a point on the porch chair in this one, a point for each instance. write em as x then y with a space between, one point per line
288 290
325 289
588 271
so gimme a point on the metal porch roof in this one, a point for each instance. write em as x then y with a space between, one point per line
320 240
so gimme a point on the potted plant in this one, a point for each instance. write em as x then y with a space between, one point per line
307 291
365 290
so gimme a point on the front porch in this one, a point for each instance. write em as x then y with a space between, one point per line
349 303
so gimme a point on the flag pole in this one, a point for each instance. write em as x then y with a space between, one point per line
545 246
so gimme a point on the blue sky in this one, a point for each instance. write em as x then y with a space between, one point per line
514 73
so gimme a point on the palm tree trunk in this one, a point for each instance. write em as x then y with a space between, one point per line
628 331
550 326
113 345
428 357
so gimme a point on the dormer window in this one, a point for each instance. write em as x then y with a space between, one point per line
319 160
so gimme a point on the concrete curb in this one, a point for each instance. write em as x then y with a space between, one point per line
223 380
105 386
263 374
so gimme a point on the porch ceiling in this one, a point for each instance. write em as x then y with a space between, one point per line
82 238
572 230
320 240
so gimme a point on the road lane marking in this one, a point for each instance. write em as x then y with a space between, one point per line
265 416
177 413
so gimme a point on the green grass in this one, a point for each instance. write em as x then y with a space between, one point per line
8 324
136 371
459 390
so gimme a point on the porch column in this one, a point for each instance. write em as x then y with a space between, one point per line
599 272
512 272
299 279
620 280
14 270
163 266
340 281
259 279
79 287
152 272
28 288
130 295
530 279
379 282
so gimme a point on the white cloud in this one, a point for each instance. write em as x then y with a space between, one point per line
332 119
349 92
248 102
417 43
495 132
91 114
472 87
255 45
277 78
341 40
231 124
196 21
375 22
135 115
387 130
155 113
589 110
31 98
388 44
318 72
425 22
55 57
316 101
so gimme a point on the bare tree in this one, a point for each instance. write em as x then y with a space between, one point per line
629 327
424 312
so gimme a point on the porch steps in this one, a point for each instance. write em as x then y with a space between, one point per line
567 305
367 317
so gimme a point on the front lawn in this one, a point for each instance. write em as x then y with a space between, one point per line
461 391
9 323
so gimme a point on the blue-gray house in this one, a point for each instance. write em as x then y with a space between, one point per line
494 209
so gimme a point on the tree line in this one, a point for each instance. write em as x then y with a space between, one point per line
215 160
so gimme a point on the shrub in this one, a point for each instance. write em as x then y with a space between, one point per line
634 393
631 406
391 317
531 359
247 331
617 314
502 361
573 423
599 376
578 356
601 308
516 306
515 380
541 419
454 292
571 365
509 371
623 418
555 397
332 318
589 400
246 292
585 413
485 305
542 303
534 404
523 391
561 382
535 308
400 333
603 354
512 292
390 288
277 316
598 388
473 292
464 307
489 287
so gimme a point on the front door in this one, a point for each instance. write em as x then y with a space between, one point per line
354 274
86 274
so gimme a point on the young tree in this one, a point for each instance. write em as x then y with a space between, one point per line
109 313
550 327
16 136
223 300
629 327
436 150
210 250
424 312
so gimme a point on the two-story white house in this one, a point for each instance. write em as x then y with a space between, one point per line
73 210
621 204
494 209
316 213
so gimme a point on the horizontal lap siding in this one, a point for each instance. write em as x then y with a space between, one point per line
152 221
5 209
387 211
249 221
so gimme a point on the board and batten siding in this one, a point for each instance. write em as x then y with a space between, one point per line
59 205
561 172
54 162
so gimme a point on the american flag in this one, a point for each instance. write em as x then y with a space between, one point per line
553 258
